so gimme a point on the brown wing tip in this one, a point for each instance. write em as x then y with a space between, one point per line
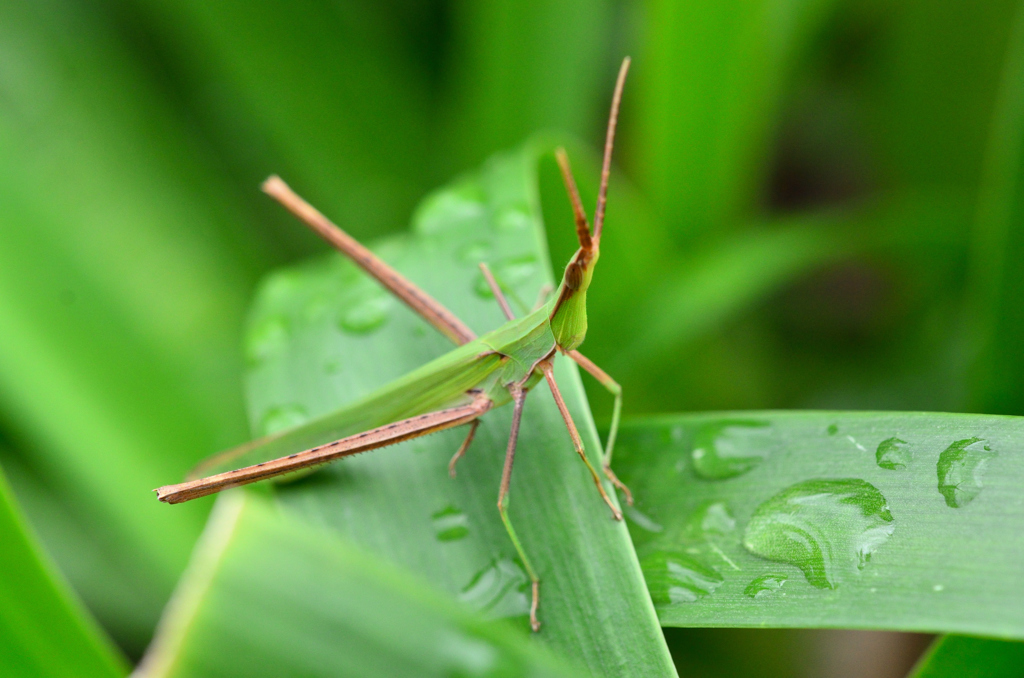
167 494
274 185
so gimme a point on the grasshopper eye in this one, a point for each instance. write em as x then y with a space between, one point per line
573 276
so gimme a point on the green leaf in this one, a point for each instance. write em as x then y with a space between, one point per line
321 91
712 78
903 521
124 275
525 65
44 630
998 321
965 657
322 334
268 594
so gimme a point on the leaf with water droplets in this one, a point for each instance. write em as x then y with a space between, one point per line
845 509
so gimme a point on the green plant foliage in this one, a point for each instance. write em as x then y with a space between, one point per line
322 334
267 594
711 95
118 353
966 657
829 519
43 629
999 275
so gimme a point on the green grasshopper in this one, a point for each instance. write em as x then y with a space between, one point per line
456 388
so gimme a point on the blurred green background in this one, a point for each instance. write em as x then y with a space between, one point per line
816 205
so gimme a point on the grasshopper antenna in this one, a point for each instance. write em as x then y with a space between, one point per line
609 141
582 227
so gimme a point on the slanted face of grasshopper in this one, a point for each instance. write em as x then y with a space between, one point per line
455 389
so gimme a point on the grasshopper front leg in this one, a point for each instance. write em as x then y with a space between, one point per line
575 435
616 391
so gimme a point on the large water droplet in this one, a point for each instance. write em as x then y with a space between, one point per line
282 418
367 315
267 339
765 585
827 528
893 454
500 590
725 449
961 468
678 578
450 524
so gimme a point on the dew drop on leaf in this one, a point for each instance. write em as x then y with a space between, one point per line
674 578
513 219
499 590
366 316
711 519
961 469
765 585
827 528
725 449
450 524
510 273
283 417
266 339
893 454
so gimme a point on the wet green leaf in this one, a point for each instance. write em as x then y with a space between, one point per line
818 533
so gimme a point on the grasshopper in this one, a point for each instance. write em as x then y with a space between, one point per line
453 390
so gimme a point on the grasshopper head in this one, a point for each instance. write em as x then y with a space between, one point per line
569 315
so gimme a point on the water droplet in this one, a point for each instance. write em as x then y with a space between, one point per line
961 468
827 528
283 417
713 518
725 449
893 454
450 524
267 339
640 519
938 587
448 209
475 252
677 578
501 590
513 219
833 429
367 315
509 273
765 585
